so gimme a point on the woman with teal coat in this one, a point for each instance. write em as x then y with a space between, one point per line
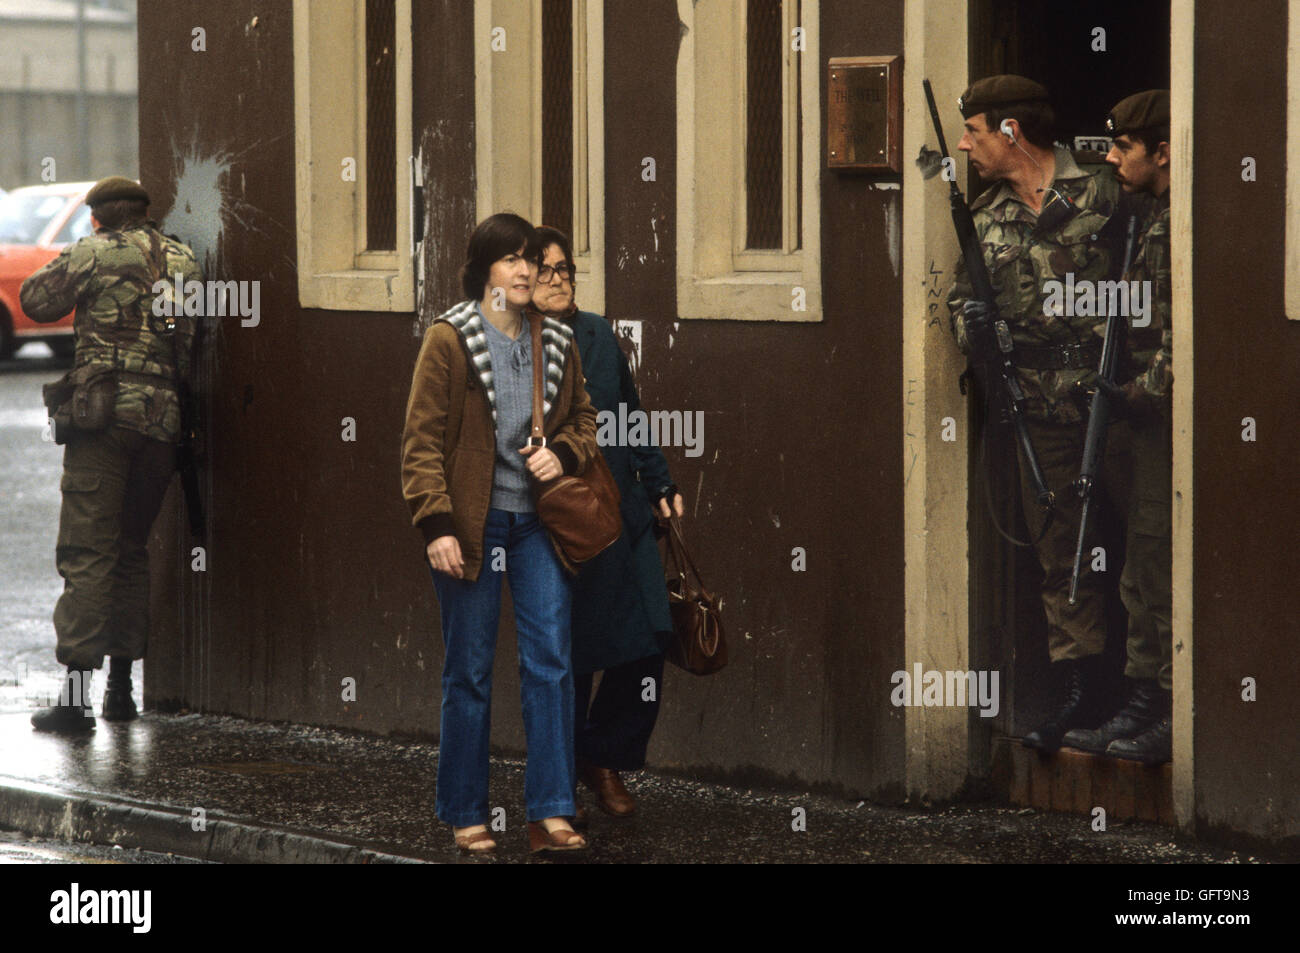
621 622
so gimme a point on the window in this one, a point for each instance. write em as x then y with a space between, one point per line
747 213
352 61
77 226
539 68
557 114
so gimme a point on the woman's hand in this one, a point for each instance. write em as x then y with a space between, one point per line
444 556
542 464
679 507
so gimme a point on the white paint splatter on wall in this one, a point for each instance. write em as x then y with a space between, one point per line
206 207
197 215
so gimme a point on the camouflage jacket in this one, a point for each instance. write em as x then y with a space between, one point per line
1153 346
1022 258
109 277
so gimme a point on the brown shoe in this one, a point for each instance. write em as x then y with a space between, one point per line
480 842
611 796
540 839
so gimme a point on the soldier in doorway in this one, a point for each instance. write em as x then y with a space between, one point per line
115 475
1141 730
1046 218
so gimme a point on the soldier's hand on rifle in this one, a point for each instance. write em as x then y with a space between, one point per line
978 318
1128 402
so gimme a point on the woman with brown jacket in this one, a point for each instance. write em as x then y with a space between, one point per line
467 474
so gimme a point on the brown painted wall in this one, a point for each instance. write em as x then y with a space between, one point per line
803 445
313 572
1247 516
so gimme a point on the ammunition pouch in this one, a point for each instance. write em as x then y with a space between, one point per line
81 399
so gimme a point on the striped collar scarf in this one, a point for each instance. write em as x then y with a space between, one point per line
557 336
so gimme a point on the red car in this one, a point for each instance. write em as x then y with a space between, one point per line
35 223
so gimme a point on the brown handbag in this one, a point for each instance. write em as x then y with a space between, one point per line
698 643
581 512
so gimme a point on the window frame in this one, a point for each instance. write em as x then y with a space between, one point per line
335 269
508 177
717 278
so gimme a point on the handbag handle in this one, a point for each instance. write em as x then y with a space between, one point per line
682 556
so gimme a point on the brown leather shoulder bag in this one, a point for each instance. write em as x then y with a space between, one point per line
581 512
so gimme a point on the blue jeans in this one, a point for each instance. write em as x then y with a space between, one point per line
470 612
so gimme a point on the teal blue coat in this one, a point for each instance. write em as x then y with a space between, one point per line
620 603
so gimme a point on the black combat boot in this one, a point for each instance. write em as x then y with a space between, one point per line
118 703
1147 704
1155 746
72 713
1080 704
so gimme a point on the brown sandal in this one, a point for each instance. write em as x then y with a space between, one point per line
539 839
466 842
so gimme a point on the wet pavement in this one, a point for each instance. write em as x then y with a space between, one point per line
30 467
230 790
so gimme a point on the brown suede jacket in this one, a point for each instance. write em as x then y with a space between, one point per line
449 442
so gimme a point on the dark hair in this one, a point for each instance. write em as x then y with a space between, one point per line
548 236
496 237
120 212
1037 120
1150 137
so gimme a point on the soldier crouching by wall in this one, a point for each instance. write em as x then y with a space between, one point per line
119 413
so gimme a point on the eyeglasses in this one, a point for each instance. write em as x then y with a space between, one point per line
546 272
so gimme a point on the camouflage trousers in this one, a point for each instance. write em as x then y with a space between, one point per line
1074 631
113 486
1146 583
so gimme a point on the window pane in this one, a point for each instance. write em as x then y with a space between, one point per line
381 126
77 226
763 124
557 115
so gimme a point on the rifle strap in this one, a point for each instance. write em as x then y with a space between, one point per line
986 476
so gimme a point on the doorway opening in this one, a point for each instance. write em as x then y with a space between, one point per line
1088 62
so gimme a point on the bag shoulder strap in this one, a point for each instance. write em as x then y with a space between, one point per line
535 329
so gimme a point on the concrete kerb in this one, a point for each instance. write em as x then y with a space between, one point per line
44 811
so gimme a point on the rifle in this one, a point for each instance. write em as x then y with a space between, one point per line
996 356
1094 444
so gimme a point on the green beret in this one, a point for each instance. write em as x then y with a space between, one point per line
113 188
996 90
1148 110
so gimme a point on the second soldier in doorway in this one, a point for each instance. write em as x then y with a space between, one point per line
117 466
1044 219
1141 730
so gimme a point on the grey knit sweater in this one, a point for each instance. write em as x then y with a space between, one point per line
512 372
